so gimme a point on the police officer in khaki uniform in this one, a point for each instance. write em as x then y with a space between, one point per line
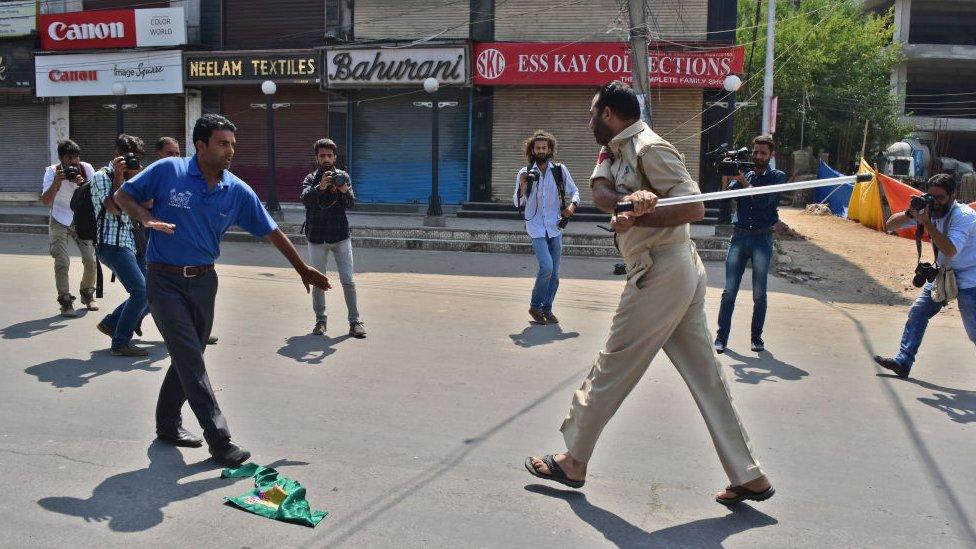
662 305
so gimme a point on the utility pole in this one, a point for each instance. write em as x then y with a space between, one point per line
768 79
638 51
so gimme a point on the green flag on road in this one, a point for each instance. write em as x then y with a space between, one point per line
274 496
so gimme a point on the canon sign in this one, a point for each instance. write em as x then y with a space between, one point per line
59 31
112 29
72 76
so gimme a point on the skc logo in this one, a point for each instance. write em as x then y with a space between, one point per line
490 64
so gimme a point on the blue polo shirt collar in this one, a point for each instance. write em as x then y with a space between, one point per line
194 169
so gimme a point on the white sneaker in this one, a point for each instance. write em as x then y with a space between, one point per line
719 347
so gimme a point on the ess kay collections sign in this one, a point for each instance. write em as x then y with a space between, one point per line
142 72
594 63
79 30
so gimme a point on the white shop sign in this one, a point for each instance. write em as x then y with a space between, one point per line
142 72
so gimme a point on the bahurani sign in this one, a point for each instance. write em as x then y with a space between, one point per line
386 67
589 64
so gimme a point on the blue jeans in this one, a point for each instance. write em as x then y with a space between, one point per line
759 248
925 308
132 275
547 251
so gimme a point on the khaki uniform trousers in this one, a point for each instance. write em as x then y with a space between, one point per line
59 235
662 306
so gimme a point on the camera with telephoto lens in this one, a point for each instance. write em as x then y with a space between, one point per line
131 161
732 161
70 171
921 202
924 272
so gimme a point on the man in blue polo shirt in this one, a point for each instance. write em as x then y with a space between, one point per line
195 201
752 238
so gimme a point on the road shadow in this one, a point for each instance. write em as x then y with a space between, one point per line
541 334
31 328
764 367
71 373
958 404
310 348
134 501
704 533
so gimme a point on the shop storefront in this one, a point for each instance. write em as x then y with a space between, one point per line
390 120
24 130
550 86
301 110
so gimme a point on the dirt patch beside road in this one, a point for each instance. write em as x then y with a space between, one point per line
846 261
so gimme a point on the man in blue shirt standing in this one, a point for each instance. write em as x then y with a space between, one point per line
195 201
549 200
752 238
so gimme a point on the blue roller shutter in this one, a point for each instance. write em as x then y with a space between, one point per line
390 147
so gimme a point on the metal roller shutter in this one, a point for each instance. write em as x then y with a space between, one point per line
297 127
564 111
391 147
24 154
253 24
92 125
395 19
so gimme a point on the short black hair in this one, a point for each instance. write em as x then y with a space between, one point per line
944 180
620 97
325 143
67 146
209 123
126 143
163 141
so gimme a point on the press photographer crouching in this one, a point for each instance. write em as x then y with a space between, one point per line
952 229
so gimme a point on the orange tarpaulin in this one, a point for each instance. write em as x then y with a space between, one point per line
865 205
899 195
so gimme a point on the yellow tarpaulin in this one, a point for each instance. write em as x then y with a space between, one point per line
865 205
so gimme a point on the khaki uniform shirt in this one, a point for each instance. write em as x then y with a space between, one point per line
664 174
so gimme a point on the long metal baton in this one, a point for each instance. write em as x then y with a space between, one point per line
750 191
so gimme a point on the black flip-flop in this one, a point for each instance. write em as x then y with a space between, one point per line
556 472
742 493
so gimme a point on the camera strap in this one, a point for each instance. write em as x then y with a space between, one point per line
558 175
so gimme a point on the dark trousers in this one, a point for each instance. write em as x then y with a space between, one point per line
183 309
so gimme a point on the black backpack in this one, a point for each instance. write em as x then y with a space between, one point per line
86 225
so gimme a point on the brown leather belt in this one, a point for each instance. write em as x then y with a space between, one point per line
186 271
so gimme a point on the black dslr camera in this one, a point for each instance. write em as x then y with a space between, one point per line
70 171
732 161
922 202
531 177
924 272
131 161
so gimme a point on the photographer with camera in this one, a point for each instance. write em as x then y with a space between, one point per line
541 192
952 228
752 236
117 245
327 194
60 182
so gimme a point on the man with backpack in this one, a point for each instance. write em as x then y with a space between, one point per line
117 247
59 185
541 192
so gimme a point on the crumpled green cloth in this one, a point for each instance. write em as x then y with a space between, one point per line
274 496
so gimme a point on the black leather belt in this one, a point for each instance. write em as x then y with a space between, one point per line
185 271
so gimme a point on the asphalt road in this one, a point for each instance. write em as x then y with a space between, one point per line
415 437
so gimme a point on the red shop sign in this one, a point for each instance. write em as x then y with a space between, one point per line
593 63
88 30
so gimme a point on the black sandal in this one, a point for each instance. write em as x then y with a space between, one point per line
556 472
742 493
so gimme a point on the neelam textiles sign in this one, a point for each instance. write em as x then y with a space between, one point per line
204 68
142 72
112 29
386 67
594 63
